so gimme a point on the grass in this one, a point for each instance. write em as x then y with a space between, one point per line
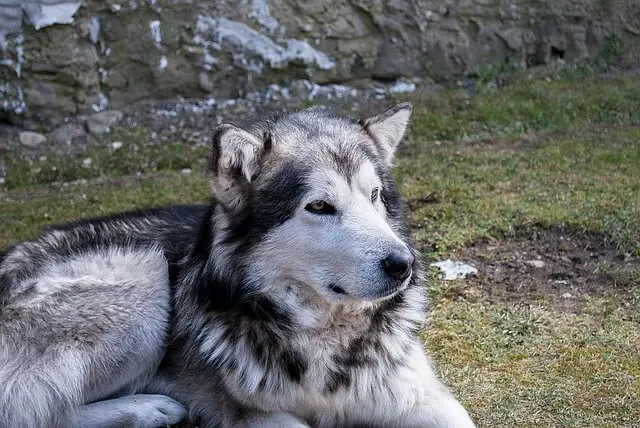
134 155
531 367
589 180
536 105
533 154
26 211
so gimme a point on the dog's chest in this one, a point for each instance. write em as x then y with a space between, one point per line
344 368
342 371
342 391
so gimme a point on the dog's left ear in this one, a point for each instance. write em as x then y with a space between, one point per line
388 128
235 163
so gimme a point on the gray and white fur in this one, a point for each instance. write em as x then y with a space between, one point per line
291 299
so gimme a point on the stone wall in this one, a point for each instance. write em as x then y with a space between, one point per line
76 57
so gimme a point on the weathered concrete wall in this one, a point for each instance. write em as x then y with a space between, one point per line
76 57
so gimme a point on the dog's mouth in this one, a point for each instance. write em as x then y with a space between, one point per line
386 294
392 292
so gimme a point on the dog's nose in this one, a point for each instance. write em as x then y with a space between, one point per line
398 264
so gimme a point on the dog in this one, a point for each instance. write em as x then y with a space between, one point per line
292 299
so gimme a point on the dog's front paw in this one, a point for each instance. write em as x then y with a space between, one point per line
138 411
446 414
159 410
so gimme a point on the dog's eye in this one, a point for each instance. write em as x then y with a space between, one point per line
374 194
320 207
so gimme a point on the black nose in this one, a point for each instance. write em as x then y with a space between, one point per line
398 264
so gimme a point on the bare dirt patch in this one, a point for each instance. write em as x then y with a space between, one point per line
551 265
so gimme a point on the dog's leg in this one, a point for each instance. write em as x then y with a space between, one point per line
436 407
135 411
87 329
445 413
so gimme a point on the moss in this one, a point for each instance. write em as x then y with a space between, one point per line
614 50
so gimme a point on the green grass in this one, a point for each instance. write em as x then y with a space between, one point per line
590 180
536 105
614 50
134 156
531 367
27 211
534 154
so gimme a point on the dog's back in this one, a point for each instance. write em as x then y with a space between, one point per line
85 315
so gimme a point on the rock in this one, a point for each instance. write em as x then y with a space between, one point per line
535 263
401 87
518 39
205 82
66 133
116 145
300 89
42 94
124 52
453 269
32 140
86 163
567 296
101 123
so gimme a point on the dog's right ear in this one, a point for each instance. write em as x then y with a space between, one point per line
388 128
235 163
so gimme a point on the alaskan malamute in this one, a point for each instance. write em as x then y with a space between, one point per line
292 299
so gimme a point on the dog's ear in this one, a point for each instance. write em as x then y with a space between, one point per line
235 163
388 128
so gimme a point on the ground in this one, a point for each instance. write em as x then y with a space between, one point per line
536 184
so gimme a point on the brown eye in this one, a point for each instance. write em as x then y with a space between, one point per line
320 207
374 194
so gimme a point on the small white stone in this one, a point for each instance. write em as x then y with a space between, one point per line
31 140
453 269
560 282
185 171
163 63
86 163
116 145
401 87
535 263
100 123
567 296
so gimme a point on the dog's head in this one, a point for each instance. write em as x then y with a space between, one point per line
307 200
